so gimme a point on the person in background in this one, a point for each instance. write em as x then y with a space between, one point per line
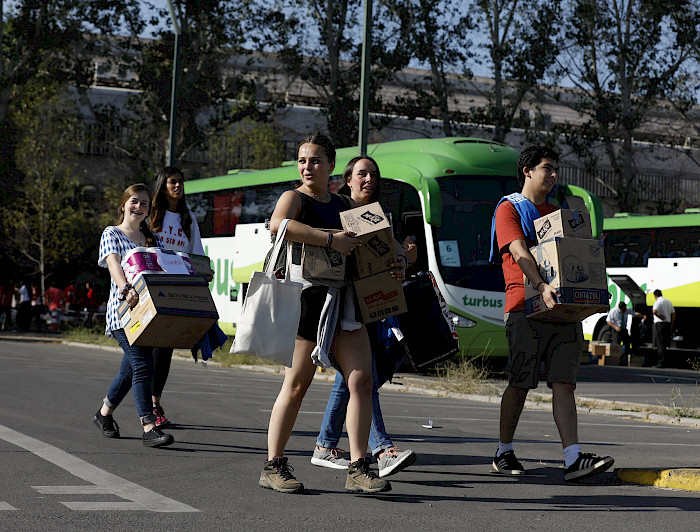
307 208
24 307
177 230
38 308
55 301
362 185
136 370
7 291
530 342
617 320
664 319
70 295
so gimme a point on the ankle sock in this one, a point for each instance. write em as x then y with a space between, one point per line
571 454
504 447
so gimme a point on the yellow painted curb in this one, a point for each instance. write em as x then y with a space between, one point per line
682 479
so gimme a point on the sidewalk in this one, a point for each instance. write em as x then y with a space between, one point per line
681 478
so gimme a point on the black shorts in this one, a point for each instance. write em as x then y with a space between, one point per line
312 301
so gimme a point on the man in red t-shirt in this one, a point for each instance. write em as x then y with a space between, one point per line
530 342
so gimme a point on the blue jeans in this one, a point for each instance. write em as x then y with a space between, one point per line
336 410
136 374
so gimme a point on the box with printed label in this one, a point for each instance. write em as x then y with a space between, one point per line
379 296
370 224
576 268
322 263
564 223
172 311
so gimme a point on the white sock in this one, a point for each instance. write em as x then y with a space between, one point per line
571 454
503 447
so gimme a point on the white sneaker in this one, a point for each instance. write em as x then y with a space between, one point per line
333 458
394 460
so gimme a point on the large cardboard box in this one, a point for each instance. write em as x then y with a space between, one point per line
379 296
576 268
371 226
173 311
564 223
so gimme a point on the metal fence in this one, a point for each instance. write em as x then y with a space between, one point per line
648 187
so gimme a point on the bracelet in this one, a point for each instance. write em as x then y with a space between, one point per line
538 285
330 240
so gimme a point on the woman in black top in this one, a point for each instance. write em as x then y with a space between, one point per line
310 206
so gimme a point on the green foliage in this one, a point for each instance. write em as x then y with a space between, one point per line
46 221
252 145
623 64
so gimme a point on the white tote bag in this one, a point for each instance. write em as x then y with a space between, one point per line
271 310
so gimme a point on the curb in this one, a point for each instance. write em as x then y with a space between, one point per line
681 479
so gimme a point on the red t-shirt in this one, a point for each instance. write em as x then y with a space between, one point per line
508 229
54 297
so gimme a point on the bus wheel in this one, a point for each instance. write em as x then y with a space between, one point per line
605 335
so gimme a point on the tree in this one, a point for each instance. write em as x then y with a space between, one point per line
211 96
521 50
319 45
623 58
251 145
46 223
435 34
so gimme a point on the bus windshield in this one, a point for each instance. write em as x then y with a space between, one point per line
462 242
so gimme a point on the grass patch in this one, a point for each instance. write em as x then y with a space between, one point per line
87 335
467 376
222 356
681 406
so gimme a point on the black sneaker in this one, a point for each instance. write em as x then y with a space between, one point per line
157 438
107 425
587 465
507 464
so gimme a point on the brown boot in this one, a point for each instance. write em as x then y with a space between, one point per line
276 475
361 479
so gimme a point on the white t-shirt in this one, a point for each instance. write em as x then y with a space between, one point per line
172 236
617 317
665 307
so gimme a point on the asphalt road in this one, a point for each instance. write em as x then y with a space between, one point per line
58 473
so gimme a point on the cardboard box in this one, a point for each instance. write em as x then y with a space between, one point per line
379 296
322 263
564 223
576 268
173 311
201 264
371 225
612 355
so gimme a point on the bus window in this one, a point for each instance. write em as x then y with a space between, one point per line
463 241
628 248
219 212
678 242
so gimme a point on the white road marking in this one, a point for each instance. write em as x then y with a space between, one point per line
101 481
6 506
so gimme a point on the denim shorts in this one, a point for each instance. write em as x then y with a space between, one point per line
531 342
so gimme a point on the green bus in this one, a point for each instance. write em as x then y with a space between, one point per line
643 253
440 192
